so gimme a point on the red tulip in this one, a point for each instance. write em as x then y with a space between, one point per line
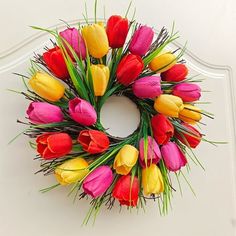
162 129
56 63
117 30
192 139
126 190
93 141
129 68
176 73
53 145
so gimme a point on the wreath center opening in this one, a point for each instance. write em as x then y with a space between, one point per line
120 116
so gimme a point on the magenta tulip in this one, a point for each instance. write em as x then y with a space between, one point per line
147 87
97 183
44 113
153 152
82 112
188 92
75 40
173 157
141 40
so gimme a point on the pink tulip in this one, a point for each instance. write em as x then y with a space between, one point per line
188 92
147 87
141 40
153 152
74 38
173 157
44 113
82 112
97 183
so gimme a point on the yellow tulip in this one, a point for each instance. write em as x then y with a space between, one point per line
47 87
100 76
168 105
96 40
152 181
125 159
162 62
190 114
71 171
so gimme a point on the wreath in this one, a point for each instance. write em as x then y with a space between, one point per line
69 84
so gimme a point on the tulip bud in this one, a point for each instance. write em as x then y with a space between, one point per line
100 76
168 105
75 40
129 68
162 129
191 139
96 40
147 87
176 73
97 183
47 87
126 190
53 145
152 181
153 152
162 62
190 114
117 30
188 92
82 112
141 40
55 62
44 113
173 157
93 141
71 171
125 159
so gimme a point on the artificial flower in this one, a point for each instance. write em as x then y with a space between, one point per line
96 40
44 113
162 129
55 62
147 87
152 180
117 30
176 73
82 112
162 62
191 137
93 141
188 92
129 69
53 145
168 105
73 37
125 159
100 77
98 181
126 190
47 87
141 40
71 171
190 114
173 157
153 154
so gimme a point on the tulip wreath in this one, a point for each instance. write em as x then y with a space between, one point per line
67 87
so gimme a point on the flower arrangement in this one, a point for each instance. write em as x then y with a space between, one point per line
70 82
